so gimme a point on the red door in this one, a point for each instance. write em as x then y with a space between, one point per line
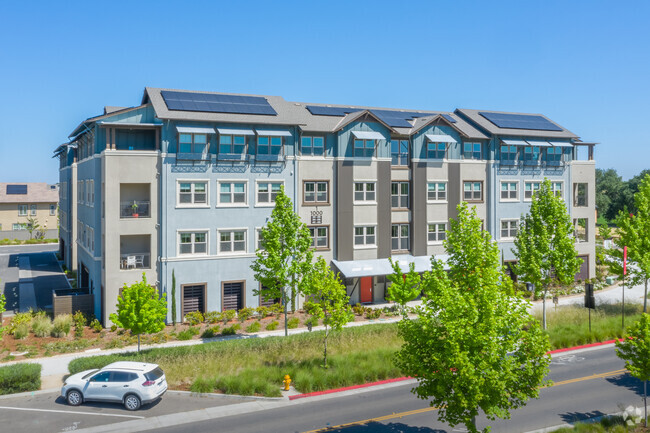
366 289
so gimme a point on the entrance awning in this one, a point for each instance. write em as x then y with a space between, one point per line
377 267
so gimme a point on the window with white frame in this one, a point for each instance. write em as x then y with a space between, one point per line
437 191
52 209
580 229
22 210
92 192
508 155
400 236
18 226
192 143
315 192
32 209
192 193
364 148
471 150
268 191
319 237
232 241
87 186
91 239
436 232
530 188
258 243
509 228
473 191
399 151
312 146
192 243
364 236
436 150
269 145
556 187
232 193
399 194
232 144
509 190
364 191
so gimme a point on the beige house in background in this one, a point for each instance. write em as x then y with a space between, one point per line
20 201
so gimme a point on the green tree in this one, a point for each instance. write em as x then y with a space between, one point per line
404 287
32 225
474 347
328 300
544 245
612 193
140 309
633 187
173 297
284 260
634 231
634 348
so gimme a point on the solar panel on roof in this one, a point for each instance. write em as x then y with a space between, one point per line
520 121
318 110
16 189
213 103
448 117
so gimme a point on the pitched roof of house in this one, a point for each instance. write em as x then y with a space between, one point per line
36 193
476 117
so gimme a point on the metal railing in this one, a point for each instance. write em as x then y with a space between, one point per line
135 209
135 261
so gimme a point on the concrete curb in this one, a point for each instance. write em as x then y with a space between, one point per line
232 396
349 388
30 393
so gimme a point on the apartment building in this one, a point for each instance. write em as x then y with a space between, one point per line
183 183
21 202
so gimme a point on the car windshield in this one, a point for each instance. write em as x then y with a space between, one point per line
90 373
154 374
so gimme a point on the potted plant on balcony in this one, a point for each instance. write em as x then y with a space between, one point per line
134 209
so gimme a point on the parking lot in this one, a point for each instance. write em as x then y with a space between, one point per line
48 412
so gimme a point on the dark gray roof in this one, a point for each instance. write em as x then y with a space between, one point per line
474 116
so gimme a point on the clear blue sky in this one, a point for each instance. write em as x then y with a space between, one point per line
585 64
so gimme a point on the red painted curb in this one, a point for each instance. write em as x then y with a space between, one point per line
584 346
347 388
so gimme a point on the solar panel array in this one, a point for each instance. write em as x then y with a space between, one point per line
397 119
213 103
16 189
520 121
318 110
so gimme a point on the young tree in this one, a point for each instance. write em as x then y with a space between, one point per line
284 260
544 245
140 309
635 350
474 347
173 297
634 231
32 225
328 300
404 287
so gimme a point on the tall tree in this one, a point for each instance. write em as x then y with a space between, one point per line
612 193
140 309
634 231
634 348
328 300
284 260
544 245
404 287
474 346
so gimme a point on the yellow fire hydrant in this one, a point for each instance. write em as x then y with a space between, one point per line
287 382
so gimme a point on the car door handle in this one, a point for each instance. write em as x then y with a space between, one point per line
104 386
126 386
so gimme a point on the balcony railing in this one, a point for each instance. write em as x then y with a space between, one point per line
135 209
135 261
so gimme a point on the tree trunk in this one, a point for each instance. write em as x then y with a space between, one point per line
474 421
544 309
325 352
284 301
645 297
138 342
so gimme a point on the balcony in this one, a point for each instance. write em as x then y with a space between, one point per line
135 252
135 209
135 200
135 261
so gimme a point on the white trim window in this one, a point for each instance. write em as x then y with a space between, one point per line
509 191
22 210
91 239
473 191
192 143
556 187
436 191
316 192
364 192
267 192
364 148
32 209
258 238
509 228
400 237
232 241
399 152
399 195
88 200
472 151
192 193
193 243
233 144
436 150
364 236
436 233
530 188
232 193
319 237
312 146
18 226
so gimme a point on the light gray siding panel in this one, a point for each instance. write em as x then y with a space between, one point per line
345 215
383 209
419 214
454 194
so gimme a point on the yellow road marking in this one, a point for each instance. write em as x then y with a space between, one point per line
429 409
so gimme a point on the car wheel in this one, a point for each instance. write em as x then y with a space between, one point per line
132 402
74 398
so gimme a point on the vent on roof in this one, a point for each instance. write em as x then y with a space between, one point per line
213 103
520 121
16 189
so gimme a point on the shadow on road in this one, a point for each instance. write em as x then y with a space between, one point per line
571 417
100 405
628 381
393 427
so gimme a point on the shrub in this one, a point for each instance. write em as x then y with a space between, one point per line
19 318
293 323
277 309
313 321
113 327
358 309
253 327
62 324
194 317
272 326
79 320
245 313
212 317
41 326
231 330
96 325
21 331
188 333
263 311
372 313
20 378
210 332
228 315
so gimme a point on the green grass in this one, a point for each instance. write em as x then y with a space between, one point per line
257 366
614 424
20 378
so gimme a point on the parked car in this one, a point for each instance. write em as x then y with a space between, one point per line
130 383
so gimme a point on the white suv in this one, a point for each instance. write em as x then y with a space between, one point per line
130 383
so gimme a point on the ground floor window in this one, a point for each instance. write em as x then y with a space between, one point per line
192 298
233 295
